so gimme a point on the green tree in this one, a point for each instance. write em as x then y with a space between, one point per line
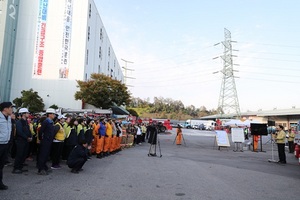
31 100
102 91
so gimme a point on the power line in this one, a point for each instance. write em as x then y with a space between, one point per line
266 44
269 59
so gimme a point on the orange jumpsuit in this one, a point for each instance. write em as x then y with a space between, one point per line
179 136
107 140
255 143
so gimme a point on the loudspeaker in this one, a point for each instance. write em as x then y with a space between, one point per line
271 123
258 129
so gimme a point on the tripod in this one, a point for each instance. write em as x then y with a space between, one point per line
272 143
154 141
182 138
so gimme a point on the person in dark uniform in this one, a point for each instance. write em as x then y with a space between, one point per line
78 157
46 135
23 137
5 132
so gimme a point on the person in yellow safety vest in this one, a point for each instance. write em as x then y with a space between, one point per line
291 138
280 140
58 142
179 135
67 130
108 136
81 128
38 141
31 143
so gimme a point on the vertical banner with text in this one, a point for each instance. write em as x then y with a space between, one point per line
40 39
66 40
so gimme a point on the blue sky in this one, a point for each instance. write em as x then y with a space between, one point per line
171 43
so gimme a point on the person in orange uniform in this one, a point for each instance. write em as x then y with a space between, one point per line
100 138
108 136
96 126
255 142
179 135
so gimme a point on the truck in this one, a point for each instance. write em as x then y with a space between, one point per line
200 124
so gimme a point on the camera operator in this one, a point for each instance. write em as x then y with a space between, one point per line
280 140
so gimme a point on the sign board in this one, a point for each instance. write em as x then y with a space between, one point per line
222 139
237 135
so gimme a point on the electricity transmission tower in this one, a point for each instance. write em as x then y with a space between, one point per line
228 99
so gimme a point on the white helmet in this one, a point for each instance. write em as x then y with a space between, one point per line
50 111
23 110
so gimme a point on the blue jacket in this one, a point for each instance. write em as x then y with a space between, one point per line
5 129
102 129
23 130
47 130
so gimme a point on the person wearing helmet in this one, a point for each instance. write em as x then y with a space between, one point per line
23 137
58 142
46 134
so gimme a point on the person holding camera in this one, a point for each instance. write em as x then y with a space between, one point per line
280 140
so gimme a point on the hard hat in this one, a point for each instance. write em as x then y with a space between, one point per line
23 110
61 117
50 111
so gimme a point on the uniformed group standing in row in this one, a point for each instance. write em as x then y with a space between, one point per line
73 139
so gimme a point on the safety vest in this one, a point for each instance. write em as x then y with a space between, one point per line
108 129
60 135
291 137
281 137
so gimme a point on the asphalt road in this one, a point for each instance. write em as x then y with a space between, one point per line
195 171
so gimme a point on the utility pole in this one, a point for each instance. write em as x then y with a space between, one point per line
228 99
125 70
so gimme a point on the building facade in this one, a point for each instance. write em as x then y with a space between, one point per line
57 43
8 27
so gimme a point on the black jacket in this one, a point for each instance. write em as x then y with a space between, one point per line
73 138
89 135
22 130
47 130
78 152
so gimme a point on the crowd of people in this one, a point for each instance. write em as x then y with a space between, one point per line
54 138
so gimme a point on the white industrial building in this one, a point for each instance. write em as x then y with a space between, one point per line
59 42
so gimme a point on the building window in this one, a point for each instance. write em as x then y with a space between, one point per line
90 11
89 32
108 66
108 51
85 77
100 53
101 34
98 69
87 56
